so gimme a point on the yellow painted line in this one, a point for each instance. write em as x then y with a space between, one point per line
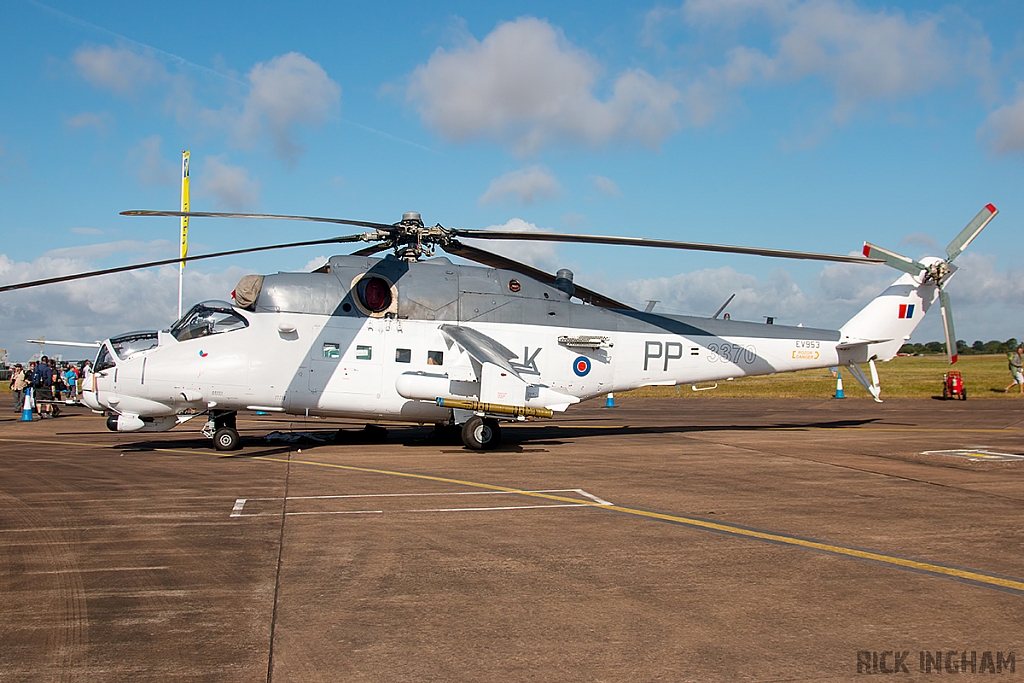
782 539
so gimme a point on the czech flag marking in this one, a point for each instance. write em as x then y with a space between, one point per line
581 366
907 310
203 354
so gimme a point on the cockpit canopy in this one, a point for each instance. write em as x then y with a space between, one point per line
128 344
206 318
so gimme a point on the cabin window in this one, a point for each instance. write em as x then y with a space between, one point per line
364 352
403 355
332 350
435 357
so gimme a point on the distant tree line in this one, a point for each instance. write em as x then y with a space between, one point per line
962 348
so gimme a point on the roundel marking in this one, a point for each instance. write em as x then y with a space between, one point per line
203 354
581 366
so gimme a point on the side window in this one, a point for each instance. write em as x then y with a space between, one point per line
332 350
403 355
364 352
435 357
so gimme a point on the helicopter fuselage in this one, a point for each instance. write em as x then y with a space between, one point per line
384 339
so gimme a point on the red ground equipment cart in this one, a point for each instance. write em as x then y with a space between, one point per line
953 386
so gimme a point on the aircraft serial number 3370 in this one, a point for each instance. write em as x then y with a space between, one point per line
427 341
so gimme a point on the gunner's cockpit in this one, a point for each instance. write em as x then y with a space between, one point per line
207 318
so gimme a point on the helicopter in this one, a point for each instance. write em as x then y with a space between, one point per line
414 337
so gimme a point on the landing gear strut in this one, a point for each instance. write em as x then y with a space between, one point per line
481 433
221 427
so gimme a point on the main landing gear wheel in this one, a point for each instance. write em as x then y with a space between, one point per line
225 439
481 433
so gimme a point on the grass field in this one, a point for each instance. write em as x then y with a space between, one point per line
907 377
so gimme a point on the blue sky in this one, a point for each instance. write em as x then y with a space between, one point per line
803 124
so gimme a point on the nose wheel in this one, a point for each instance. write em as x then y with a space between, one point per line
221 427
481 433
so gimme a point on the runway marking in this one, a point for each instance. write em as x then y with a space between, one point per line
977 455
239 506
972 576
99 569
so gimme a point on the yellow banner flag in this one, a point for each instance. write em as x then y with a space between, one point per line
184 204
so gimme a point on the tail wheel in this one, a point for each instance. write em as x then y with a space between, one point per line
479 433
225 439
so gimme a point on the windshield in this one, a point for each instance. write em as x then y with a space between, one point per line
209 317
127 345
104 361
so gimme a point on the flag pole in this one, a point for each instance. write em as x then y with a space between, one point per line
184 223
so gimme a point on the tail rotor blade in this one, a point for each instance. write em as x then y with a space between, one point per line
891 258
971 231
947 325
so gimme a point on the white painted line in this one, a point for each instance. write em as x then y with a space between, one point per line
976 454
340 512
237 510
99 569
592 497
510 507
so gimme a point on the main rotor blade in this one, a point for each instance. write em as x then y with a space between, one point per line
891 258
275 216
664 244
947 326
971 231
165 262
493 260
371 250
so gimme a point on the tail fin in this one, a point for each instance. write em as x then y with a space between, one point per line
886 323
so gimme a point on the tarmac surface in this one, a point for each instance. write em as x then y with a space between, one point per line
663 540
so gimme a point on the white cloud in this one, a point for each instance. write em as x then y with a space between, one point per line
542 255
96 308
286 91
920 239
526 86
87 231
863 55
1004 128
149 165
314 263
100 121
119 70
229 186
526 186
606 186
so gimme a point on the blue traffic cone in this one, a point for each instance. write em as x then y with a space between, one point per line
27 406
839 386
610 401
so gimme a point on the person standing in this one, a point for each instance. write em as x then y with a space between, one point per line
1017 369
42 386
18 384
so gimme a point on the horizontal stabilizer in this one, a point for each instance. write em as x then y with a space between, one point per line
854 343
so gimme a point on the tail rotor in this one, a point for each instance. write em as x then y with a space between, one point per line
937 271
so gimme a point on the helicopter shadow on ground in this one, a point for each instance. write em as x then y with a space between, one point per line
525 439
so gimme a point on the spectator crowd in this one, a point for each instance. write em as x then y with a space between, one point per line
49 382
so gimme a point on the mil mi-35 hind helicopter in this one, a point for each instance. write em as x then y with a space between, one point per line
404 339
